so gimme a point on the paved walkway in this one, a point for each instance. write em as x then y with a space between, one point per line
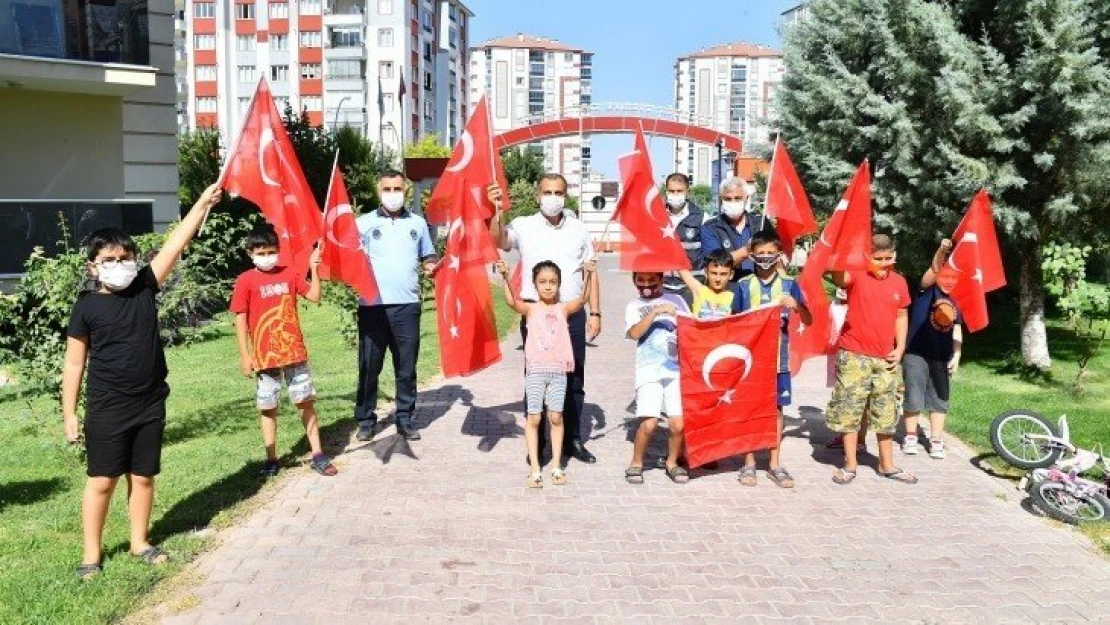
444 530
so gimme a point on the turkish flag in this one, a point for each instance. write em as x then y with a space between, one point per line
342 258
648 240
728 370
786 201
474 163
977 261
263 168
844 244
464 306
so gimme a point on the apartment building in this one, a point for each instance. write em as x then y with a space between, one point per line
527 77
393 69
87 117
729 88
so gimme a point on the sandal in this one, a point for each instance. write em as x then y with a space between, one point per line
534 480
88 571
270 468
843 476
152 555
747 476
781 477
634 475
558 477
898 475
322 465
678 475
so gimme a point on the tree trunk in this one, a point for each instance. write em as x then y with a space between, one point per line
1034 340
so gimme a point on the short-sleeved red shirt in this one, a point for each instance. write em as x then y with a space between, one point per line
269 299
873 305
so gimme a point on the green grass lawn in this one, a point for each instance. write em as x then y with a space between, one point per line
210 460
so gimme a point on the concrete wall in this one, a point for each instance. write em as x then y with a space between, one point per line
61 146
150 125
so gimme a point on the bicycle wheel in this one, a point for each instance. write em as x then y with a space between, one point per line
1010 438
1055 500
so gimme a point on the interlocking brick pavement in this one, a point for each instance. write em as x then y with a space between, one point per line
443 529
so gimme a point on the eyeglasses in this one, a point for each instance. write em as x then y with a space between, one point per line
112 263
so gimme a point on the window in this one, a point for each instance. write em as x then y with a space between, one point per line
246 73
279 73
311 39
568 57
385 37
243 104
520 81
279 42
310 7
346 38
244 11
310 70
426 20
427 81
206 105
311 102
428 110
281 102
244 43
206 72
204 9
385 7
345 68
204 42
385 70
279 10
387 102
427 51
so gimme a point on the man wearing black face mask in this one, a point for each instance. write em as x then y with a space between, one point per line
686 218
731 230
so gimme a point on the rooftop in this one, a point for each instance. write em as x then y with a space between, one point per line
521 40
739 48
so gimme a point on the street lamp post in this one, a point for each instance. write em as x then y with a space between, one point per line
338 108
720 173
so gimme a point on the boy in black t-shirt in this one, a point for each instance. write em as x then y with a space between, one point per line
933 346
115 329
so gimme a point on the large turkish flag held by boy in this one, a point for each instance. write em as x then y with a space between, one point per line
342 258
263 168
978 262
728 371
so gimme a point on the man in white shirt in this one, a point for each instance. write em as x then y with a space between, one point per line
554 235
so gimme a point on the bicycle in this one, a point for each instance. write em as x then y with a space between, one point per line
1027 440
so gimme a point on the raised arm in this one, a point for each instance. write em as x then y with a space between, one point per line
176 241
507 289
930 277
496 228
689 280
77 349
574 305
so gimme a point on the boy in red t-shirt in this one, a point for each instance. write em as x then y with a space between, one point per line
271 346
868 369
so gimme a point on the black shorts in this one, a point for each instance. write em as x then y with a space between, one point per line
126 443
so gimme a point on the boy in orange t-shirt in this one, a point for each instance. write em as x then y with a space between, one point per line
271 346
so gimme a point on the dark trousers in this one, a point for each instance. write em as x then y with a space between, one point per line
395 327
576 383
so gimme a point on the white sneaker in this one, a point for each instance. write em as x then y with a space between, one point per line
936 450
909 446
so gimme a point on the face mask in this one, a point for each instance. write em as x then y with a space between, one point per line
733 209
118 276
265 262
392 201
648 292
552 205
880 268
765 261
676 200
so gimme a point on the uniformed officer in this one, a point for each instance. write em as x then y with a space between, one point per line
686 219
732 229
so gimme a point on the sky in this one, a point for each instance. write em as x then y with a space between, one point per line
635 45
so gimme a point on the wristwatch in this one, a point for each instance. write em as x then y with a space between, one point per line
596 314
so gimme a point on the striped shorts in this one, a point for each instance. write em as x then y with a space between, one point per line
545 387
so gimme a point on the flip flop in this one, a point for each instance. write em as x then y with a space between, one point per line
843 476
678 475
322 465
558 477
634 475
898 475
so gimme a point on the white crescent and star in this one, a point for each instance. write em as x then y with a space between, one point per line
721 352
467 143
264 142
969 237
342 209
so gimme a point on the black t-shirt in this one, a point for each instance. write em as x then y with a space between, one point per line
933 316
127 366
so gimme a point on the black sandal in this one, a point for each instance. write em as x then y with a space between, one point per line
151 554
88 571
322 465
678 475
634 475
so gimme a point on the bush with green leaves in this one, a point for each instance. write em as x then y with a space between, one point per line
1086 305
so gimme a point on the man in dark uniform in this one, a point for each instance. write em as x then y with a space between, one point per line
732 229
687 219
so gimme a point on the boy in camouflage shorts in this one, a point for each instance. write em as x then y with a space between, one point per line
868 369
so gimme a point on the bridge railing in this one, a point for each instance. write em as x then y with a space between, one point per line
639 109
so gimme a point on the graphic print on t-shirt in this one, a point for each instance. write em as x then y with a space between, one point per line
942 314
269 299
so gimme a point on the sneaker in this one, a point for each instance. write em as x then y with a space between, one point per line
365 432
909 446
936 450
270 468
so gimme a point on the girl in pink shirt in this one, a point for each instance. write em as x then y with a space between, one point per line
547 359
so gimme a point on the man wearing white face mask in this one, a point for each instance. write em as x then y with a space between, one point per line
397 242
732 229
557 236
686 219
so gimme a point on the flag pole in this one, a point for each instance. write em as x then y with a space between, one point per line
770 175
327 196
402 92
238 139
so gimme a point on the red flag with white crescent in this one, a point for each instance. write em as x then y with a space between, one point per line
342 258
728 370
976 262
464 305
263 168
648 240
474 164
787 202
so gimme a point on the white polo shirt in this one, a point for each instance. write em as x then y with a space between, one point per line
567 244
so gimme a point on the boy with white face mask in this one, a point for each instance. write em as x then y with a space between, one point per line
271 346
732 230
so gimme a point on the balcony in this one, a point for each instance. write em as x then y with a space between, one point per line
76 46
